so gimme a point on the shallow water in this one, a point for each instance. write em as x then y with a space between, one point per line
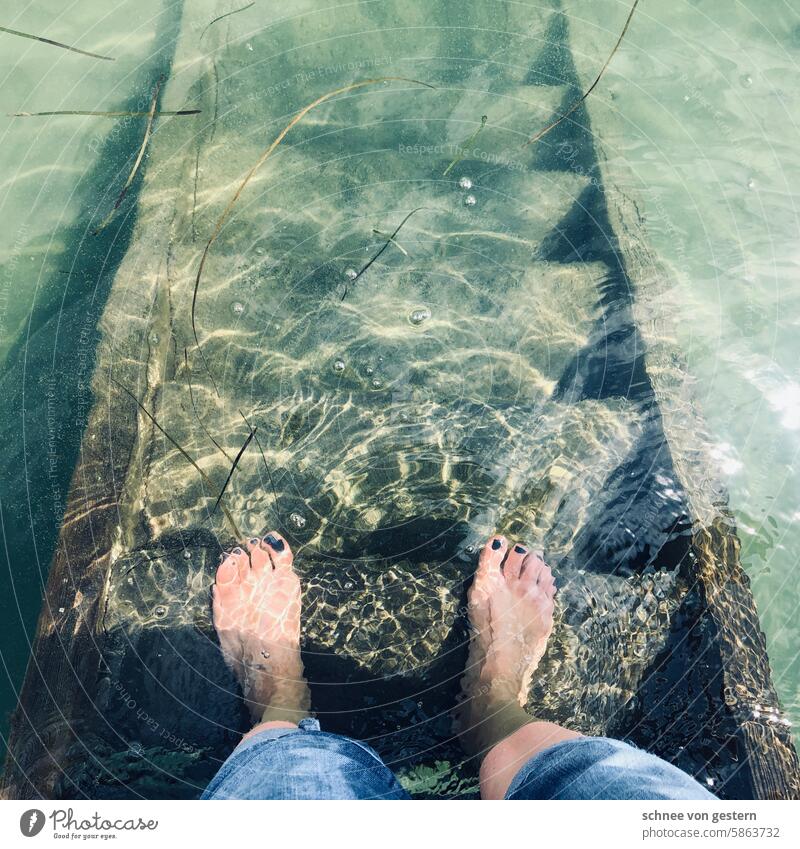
480 375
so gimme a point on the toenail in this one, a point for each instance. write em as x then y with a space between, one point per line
274 542
254 541
238 551
496 544
519 549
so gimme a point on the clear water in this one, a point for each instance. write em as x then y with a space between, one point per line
707 101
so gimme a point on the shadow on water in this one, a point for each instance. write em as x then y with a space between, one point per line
46 378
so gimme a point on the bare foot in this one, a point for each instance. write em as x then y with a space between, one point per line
256 604
511 612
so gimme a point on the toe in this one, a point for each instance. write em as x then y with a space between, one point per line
513 565
532 567
259 559
491 557
228 572
278 549
242 561
547 582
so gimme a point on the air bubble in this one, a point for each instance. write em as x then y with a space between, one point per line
297 521
237 308
154 338
746 80
751 183
465 183
160 611
339 366
249 46
351 274
369 370
419 315
348 585
187 555
377 383
469 200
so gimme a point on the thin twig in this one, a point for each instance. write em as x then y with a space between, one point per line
262 159
385 245
194 407
589 90
266 465
56 44
465 147
237 534
103 114
145 140
233 468
393 241
227 14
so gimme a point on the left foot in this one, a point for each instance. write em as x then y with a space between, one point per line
256 604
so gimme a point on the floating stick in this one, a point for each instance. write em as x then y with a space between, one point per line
227 14
262 159
385 245
465 146
56 44
233 468
145 140
102 114
237 534
589 90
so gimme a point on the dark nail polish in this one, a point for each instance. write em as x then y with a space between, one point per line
496 544
238 550
274 542
254 541
519 549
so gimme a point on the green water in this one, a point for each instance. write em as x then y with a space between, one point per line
707 96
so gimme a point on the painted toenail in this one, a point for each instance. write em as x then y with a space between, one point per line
238 551
496 544
274 542
254 541
519 549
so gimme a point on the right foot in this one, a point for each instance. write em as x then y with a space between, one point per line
256 605
511 612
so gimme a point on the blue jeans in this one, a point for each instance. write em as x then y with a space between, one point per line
307 763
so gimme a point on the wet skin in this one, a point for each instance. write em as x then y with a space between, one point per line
256 607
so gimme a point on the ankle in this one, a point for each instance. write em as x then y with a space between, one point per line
494 713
